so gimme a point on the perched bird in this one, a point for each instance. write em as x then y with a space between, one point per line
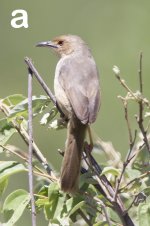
77 92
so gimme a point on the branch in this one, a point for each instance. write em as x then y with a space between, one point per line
123 83
28 61
30 131
139 118
104 187
141 103
140 74
131 144
24 157
137 179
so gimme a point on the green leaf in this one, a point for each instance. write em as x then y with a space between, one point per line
5 125
113 215
76 207
110 170
14 206
146 191
38 105
53 190
54 207
141 162
6 131
87 178
42 196
132 173
8 168
135 186
43 191
3 186
71 203
144 214
13 100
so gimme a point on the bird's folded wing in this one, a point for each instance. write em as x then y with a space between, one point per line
81 85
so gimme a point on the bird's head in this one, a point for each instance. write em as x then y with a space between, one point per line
64 45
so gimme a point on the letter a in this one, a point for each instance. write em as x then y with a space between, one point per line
23 18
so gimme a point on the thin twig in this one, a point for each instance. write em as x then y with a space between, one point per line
123 83
28 61
141 126
130 206
18 154
106 214
137 179
30 131
128 124
38 154
139 118
131 141
127 161
140 197
37 171
104 185
140 73
120 179
131 144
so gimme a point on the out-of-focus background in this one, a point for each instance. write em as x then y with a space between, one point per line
116 31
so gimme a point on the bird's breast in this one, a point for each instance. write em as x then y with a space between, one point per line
60 94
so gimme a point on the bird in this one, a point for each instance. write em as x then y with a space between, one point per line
77 92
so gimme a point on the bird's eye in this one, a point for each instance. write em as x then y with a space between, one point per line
60 42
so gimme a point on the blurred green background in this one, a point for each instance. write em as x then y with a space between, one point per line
116 31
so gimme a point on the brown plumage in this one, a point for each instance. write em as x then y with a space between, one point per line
76 86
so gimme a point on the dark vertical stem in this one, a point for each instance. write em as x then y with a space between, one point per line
141 108
30 131
140 73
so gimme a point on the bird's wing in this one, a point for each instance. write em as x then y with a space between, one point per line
80 81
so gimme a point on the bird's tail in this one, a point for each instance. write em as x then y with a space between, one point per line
72 158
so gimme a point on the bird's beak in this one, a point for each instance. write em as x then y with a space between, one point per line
46 44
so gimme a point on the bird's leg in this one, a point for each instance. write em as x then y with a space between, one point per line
91 139
88 147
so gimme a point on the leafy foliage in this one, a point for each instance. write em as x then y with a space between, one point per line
14 206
